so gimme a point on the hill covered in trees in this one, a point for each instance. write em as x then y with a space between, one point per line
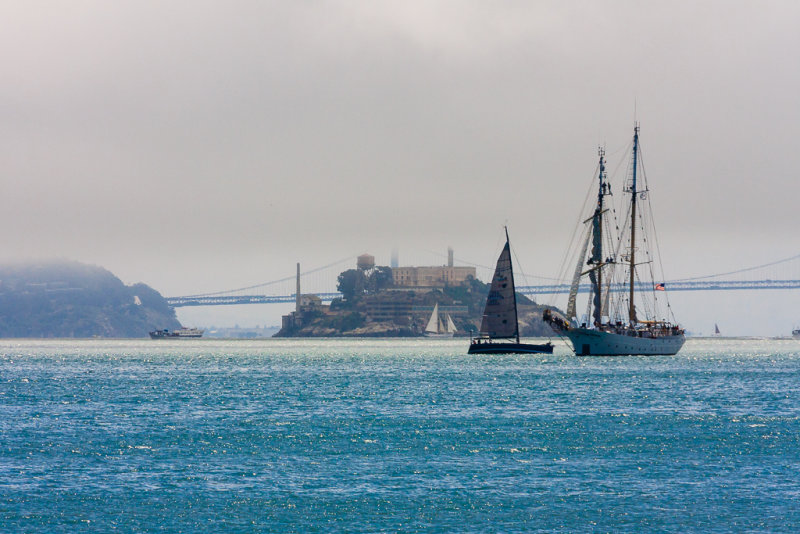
70 299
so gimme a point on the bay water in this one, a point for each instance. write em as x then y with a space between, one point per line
396 435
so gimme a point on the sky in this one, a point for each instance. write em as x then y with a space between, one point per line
199 146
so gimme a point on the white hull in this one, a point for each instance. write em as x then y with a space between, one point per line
435 335
587 342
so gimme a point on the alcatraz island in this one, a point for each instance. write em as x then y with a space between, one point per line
384 301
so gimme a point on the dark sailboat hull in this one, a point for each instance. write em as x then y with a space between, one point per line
509 348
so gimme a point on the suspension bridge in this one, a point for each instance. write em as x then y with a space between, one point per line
321 281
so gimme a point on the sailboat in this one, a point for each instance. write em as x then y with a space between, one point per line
716 330
499 327
440 326
623 312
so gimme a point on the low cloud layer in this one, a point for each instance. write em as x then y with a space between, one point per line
197 146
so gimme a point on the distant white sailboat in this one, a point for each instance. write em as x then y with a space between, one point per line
439 326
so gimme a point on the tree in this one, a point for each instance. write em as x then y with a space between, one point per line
351 284
380 278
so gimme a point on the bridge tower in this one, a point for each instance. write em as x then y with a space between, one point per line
297 291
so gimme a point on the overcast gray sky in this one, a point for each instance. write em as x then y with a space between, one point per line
198 146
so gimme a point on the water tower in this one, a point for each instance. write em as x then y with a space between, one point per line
365 262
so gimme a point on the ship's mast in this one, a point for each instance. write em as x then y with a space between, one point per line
597 245
632 308
513 289
297 295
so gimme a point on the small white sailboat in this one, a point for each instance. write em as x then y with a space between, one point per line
440 326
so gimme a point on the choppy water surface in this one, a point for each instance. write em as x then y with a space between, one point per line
396 435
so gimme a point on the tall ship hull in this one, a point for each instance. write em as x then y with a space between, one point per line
588 342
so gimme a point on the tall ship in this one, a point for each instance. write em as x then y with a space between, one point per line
627 310
179 333
440 325
499 326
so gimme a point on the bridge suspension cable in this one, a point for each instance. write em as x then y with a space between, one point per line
747 269
265 284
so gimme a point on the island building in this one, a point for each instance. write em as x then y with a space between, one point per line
432 277
421 278
401 309
397 303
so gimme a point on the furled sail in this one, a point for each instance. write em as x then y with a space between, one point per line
500 314
576 280
596 259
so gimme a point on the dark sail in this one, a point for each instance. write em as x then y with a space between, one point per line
500 314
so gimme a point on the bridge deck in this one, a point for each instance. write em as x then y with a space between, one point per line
718 285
